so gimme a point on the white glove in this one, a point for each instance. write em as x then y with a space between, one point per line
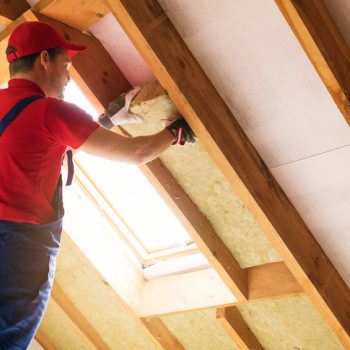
118 110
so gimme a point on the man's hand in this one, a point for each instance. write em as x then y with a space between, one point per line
182 131
118 111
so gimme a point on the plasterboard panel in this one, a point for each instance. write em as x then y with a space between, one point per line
123 52
259 68
319 189
201 179
60 332
289 323
199 330
98 302
340 11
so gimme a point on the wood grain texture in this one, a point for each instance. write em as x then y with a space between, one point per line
270 281
161 333
196 98
324 45
12 9
79 14
234 324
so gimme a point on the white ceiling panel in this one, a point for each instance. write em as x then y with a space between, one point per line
263 74
319 188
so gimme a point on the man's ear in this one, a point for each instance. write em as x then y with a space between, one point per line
44 59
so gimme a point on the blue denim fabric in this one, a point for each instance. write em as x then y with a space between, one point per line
27 267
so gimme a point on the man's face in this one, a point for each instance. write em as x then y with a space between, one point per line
58 74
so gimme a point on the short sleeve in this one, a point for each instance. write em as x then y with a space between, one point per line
68 124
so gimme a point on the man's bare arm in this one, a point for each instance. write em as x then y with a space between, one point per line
136 150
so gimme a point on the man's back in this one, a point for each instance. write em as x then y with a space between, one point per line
31 150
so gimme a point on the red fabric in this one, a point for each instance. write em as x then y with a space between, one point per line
32 37
31 151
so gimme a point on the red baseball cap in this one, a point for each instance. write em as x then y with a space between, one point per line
32 37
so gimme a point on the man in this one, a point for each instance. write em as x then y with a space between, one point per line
36 128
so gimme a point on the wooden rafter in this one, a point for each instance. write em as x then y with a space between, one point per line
196 98
234 324
160 332
79 320
11 10
43 340
79 14
324 45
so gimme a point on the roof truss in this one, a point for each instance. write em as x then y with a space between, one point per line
178 71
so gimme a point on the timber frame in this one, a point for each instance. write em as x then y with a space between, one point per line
305 267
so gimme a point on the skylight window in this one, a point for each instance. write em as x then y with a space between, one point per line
133 208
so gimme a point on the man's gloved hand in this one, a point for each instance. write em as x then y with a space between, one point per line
182 131
117 112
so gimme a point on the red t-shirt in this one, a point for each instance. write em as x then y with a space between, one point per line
31 151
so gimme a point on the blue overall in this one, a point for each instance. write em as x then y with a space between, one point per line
27 266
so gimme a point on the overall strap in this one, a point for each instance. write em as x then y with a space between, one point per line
16 110
13 114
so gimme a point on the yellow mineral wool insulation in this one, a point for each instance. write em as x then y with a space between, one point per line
60 332
199 330
98 302
289 323
204 183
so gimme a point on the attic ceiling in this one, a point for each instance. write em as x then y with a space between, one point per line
253 237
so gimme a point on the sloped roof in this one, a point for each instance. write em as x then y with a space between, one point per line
269 86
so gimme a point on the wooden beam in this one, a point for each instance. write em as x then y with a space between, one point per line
79 14
234 324
200 229
196 98
79 320
12 9
43 340
324 45
160 332
271 281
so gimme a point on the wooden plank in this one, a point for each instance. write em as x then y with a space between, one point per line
270 281
196 98
43 340
324 45
79 320
235 326
79 14
12 9
160 332
265 282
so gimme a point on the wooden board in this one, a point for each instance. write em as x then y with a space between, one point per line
236 327
324 45
12 9
79 14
